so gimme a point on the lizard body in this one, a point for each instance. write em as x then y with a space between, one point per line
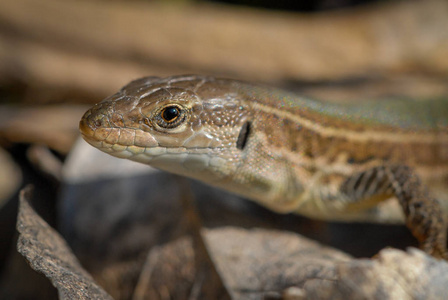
323 160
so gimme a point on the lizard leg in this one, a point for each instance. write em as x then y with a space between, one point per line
423 214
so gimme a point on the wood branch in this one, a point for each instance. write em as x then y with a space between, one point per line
55 126
99 46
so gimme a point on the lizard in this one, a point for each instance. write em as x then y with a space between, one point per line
370 161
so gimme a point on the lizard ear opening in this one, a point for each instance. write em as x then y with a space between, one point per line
243 136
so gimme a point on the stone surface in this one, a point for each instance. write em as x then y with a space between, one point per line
253 264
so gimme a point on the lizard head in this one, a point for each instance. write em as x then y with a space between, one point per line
188 125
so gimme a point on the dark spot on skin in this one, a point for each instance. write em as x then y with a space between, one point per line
243 136
358 181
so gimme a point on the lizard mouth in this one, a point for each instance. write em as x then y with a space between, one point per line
114 142
178 160
119 142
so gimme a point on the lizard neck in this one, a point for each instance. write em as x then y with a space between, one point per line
322 144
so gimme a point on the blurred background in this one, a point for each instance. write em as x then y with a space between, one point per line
59 57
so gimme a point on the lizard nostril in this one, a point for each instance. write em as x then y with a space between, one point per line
98 123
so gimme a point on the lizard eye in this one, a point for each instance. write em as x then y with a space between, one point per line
170 116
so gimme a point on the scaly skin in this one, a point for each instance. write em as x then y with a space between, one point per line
322 160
